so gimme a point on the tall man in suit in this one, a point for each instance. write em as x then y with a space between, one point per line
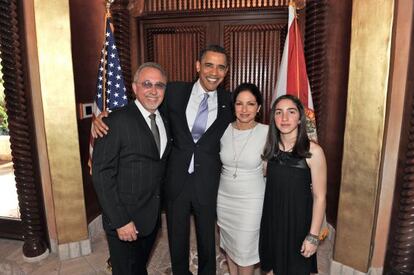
194 166
198 114
128 169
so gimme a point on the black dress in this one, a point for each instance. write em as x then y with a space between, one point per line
287 216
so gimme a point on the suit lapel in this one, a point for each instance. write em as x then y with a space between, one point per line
186 98
167 130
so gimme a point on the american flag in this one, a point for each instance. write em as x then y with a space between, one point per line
110 88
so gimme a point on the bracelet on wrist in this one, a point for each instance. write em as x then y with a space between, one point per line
314 236
312 239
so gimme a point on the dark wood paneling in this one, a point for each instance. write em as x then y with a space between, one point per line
255 51
152 6
175 47
331 101
11 229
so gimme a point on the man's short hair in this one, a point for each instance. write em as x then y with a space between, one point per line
216 49
149 65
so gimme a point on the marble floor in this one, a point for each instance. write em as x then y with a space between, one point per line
12 263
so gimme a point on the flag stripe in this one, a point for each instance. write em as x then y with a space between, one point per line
292 76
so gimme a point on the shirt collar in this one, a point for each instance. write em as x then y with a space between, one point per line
199 91
144 111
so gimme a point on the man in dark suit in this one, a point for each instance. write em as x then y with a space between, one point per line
194 166
198 114
128 169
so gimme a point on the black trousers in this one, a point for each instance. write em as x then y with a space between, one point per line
178 222
131 258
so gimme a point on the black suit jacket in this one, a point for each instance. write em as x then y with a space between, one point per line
128 171
207 164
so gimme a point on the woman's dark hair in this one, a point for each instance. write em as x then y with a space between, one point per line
254 90
302 144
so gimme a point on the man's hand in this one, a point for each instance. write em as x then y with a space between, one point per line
127 232
99 127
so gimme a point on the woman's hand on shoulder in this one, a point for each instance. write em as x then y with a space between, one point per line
99 128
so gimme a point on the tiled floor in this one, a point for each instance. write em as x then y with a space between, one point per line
11 261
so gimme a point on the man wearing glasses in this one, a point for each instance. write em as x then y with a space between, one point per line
198 113
128 170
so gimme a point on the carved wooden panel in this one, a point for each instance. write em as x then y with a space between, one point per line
176 48
120 19
255 52
152 6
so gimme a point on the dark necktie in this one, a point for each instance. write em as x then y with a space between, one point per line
155 131
199 126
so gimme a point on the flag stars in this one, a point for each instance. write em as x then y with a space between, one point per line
110 87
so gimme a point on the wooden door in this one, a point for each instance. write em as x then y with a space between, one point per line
253 41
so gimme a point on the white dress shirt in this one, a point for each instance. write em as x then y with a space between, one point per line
158 121
197 95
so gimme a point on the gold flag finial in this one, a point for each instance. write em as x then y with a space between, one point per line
108 4
299 4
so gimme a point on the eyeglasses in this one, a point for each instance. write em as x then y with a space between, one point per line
149 85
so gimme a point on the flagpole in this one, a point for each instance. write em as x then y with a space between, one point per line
107 15
297 52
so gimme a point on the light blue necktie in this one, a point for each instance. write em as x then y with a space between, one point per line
199 126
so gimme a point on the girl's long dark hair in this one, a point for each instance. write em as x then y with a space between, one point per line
302 144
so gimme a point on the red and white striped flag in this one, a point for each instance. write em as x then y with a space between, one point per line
293 78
